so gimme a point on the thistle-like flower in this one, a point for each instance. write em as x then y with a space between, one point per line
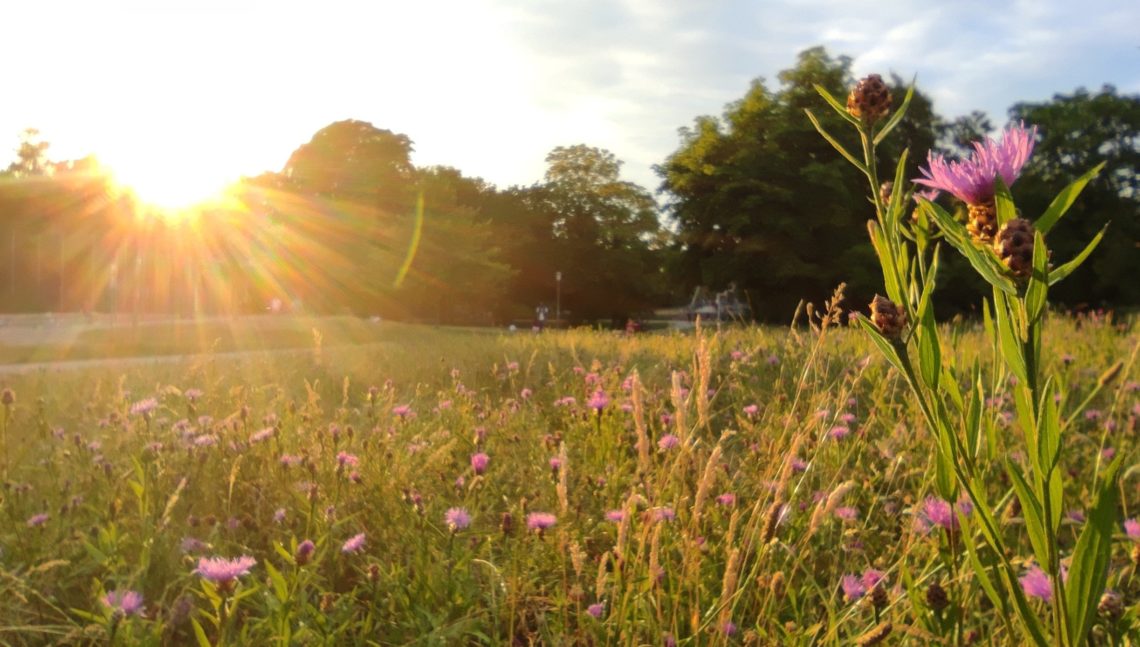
972 180
870 99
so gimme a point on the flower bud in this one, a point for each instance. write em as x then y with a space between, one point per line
888 317
1014 246
870 99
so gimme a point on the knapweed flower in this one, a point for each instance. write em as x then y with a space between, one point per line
124 603
456 519
853 587
304 552
972 180
144 407
728 499
847 513
344 459
1132 528
223 572
596 609
37 520
192 394
264 434
668 441
598 401
938 512
888 317
870 99
1037 584
540 521
662 514
839 432
354 544
615 516
479 462
279 515
402 410
751 410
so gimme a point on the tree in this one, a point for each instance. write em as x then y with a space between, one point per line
1077 132
760 200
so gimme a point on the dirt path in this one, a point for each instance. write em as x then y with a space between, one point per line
151 360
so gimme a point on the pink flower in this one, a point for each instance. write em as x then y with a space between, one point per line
727 499
598 401
668 441
540 521
839 432
1037 584
751 410
1132 528
37 520
457 519
479 462
354 544
127 603
615 516
223 571
596 610
972 180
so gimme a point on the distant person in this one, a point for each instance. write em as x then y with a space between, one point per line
540 316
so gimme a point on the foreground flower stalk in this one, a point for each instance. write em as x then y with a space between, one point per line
1010 253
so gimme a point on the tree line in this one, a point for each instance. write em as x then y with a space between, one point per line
752 197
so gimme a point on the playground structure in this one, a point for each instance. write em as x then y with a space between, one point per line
717 306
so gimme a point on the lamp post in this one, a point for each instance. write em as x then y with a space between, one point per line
558 298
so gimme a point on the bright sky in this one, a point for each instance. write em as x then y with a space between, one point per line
208 90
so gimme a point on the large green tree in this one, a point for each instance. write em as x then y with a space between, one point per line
760 200
1076 132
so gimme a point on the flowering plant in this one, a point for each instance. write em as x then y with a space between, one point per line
1011 254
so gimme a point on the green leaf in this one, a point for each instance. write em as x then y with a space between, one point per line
1039 281
973 416
1064 200
1061 272
929 351
1008 339
1003 201
200 634
839 108
280 589
981 571
896 206
884 344
1088 571
886 261
1030 511
835 144
897 117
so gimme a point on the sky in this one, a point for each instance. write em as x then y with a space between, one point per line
182 96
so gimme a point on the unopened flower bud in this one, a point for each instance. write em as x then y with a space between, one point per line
885 191
888 317
870 99
936 597
1111 605
1014 246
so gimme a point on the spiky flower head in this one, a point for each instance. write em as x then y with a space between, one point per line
888 317
870 99
972 180
456 519
124 603
223 572
1014 246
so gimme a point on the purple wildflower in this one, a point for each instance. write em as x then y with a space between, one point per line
939 512
279 515
751 410
1132 528
354 544
127 603
540 521
37 520
596 609
839 432
598 401
728 499
1036 584
264 434
456 519
668 441
615 516
344 459
972 180
872 577
663 514
192 394
479 462
847 513
853 587
304 552
144 407
728 628
222 571
402 410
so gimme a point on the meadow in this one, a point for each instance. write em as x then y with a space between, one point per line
750 485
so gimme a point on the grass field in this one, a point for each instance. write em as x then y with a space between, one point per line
758 486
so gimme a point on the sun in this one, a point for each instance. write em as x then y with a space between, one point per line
172 186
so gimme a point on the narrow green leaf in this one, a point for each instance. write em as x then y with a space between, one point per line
897 117
280 589
882 342
898 196
839 108
200 634
1030 511
973 417
835 144
1064 200
886 262
1061 272
929 350
1038 281
1007 338
1088 571
981 571
1003 201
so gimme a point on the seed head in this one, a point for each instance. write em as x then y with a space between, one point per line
936 597
1014 246
1111 605
888 317
870 99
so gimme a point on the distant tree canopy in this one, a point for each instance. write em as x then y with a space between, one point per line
753 196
